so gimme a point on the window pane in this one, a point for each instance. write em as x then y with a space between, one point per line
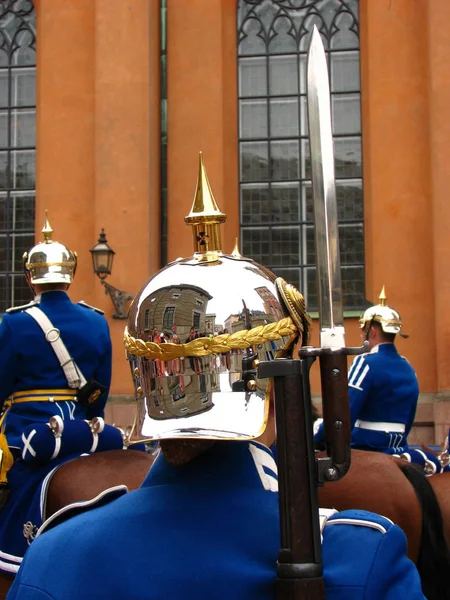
283 39
23 87
251 40
255 204
284 161
284 117
285 246
311 297
256 244
344 71
353 287
3 88
345 34
285 202
346 114
253 119
23 128
3 128
21 244
252 77
351 243
4 183
310 247
24 54
23 169
349 196
283 75
254 161
305 159
347 157
24 209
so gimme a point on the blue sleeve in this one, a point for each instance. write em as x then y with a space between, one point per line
359 386
103 374
412 414
393 575
19 591
366 559
8 360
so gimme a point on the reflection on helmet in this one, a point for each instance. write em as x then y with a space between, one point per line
388 318
49 261
194 332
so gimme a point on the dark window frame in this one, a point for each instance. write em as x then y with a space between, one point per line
17 147
272 184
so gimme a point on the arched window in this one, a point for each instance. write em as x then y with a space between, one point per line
17 146
275 177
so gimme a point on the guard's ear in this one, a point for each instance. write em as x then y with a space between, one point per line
28 280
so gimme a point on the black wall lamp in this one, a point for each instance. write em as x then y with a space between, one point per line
102 261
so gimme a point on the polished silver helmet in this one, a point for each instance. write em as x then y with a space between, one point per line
196 330
49 261
388 318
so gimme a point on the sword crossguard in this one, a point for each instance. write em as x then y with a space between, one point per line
348 351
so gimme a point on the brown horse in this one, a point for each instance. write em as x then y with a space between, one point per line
86 477
393 488
375 483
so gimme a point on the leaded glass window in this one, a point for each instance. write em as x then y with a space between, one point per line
17 146
276 220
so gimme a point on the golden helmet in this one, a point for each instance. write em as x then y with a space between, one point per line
196 330
49 261
388 318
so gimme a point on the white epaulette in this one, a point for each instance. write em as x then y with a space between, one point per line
86 305
14 309
375 524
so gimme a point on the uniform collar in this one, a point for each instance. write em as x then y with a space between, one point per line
227 463
384 347
52 296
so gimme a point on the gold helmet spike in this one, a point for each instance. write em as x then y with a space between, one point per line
382 297
49 261
236 253
47 230
227 311
205 218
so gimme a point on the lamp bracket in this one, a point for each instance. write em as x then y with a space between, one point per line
119 299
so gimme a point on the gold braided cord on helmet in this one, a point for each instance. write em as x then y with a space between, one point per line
40 265
217 345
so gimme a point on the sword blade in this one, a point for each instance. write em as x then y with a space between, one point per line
332 334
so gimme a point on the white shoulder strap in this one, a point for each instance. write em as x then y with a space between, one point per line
74 376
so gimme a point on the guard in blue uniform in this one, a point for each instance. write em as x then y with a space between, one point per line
209 529
383 386
205 523
37 385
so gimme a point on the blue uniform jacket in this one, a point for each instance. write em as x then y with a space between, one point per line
27 361
382 387
207 530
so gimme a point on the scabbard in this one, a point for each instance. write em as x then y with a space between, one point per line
336 410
